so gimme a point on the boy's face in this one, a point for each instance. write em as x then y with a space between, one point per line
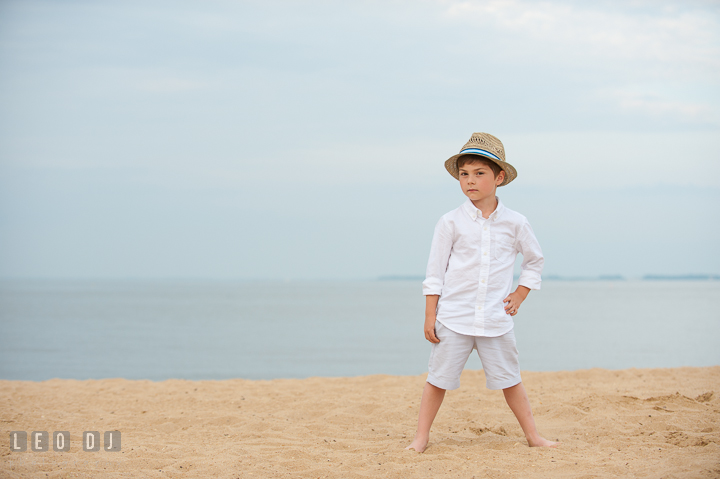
478 181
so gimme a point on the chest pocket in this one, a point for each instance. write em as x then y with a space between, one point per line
504 252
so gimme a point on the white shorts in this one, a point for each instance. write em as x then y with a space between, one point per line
499 358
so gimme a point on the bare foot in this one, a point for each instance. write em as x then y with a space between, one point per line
419 444
542 442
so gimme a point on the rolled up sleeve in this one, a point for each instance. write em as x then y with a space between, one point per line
533 259
439 257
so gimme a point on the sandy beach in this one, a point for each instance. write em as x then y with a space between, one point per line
629 423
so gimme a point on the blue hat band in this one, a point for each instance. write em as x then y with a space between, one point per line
479 152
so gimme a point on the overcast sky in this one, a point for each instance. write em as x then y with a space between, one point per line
302 140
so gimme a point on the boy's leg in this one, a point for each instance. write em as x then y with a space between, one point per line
447 359
432 398
519 403
499 357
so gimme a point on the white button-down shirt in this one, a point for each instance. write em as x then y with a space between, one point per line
471 267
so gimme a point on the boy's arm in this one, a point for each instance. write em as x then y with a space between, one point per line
533 259
431 302
435 275
531 267
439 257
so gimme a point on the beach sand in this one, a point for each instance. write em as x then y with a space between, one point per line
630 423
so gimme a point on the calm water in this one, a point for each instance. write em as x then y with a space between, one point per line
218 330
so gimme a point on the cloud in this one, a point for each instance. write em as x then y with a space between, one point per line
214 84
169 84
673 38
604 161
652 104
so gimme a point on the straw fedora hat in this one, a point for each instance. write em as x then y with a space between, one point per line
490 148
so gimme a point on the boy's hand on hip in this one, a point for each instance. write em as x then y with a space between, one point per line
514 300
430 330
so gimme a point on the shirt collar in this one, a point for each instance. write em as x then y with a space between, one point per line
476 213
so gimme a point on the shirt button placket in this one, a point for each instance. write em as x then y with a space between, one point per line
483 280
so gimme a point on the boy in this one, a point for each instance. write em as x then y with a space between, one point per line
469 276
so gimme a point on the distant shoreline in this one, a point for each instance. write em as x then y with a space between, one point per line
647 277
552 277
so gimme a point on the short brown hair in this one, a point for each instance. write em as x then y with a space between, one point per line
465 159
